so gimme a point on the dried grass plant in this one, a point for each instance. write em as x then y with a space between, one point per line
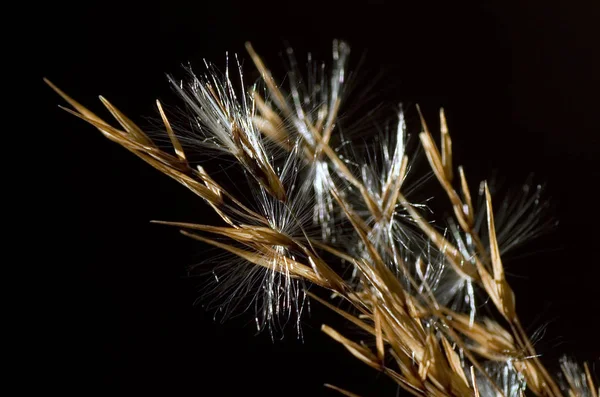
331 215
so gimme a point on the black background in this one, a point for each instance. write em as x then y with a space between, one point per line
520 86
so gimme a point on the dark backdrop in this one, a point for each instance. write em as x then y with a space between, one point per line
519 83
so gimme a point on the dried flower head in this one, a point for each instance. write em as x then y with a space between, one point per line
432 300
